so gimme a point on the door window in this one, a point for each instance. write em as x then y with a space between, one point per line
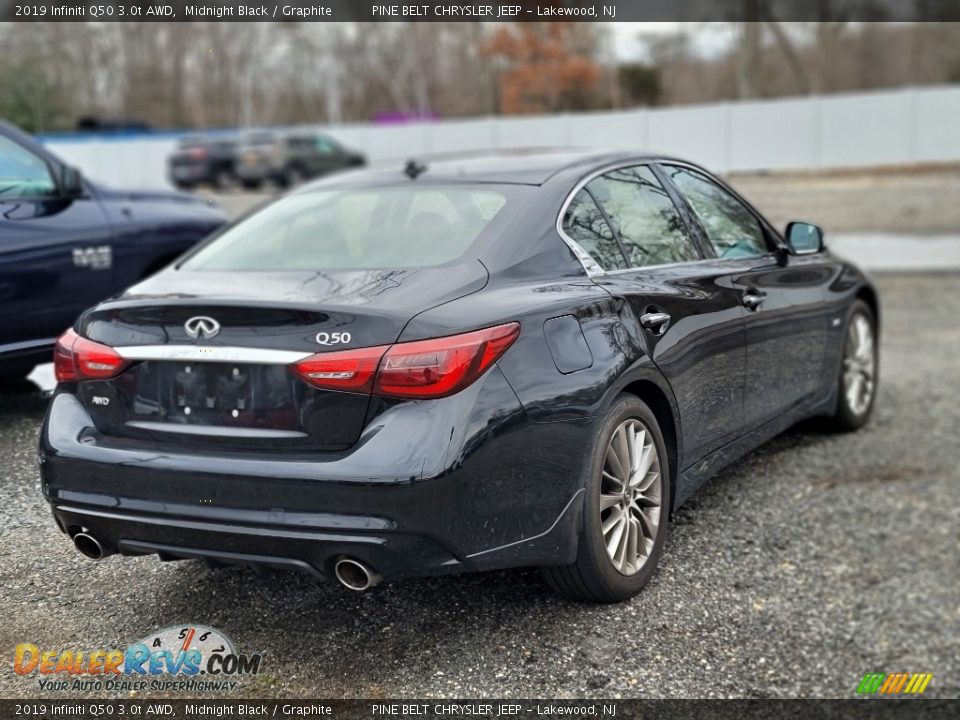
324 146
23 174
732 229
585 225
644 217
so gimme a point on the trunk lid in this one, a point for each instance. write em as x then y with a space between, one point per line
234 390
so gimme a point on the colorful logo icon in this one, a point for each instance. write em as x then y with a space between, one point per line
902 683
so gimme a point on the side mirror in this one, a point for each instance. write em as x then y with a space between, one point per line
804 238
71 182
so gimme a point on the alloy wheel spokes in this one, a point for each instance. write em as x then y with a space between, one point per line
630 497
859 365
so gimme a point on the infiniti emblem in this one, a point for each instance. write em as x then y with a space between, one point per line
201 327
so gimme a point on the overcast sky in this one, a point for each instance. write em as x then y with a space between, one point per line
708 38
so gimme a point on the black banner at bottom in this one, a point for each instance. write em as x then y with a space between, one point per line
859 709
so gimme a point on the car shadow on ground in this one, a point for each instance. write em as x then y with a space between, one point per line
23 398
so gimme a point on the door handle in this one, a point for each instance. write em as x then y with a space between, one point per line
753 299
655 322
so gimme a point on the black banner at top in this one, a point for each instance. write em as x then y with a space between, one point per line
489 709
476 10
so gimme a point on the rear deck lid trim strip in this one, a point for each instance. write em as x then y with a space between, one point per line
201 353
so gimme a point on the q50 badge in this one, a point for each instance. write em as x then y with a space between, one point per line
334 338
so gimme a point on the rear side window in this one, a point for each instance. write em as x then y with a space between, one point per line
585 225
370 228
733 231
644 217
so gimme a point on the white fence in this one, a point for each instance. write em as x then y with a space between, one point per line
903 126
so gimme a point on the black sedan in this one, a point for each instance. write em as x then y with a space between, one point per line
67 243
460 365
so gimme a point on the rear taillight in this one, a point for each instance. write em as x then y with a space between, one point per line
76 358
197 153
421 369
351 370
443 366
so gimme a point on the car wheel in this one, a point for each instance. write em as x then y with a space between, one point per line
222 180
626 509
293 177
251 184
857 382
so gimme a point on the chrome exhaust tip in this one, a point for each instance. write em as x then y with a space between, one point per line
88 546
355 575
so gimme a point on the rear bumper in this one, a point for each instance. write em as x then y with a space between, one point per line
285 547
30 352
430 488
190 173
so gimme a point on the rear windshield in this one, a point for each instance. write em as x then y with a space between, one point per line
369 228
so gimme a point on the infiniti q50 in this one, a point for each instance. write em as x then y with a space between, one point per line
455 365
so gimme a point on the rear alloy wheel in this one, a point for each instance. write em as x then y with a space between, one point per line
630 496
857 384
625 516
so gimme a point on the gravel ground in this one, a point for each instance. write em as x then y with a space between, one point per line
814 560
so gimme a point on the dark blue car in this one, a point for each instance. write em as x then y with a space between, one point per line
67 243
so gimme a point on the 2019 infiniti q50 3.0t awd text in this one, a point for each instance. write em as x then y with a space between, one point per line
477 363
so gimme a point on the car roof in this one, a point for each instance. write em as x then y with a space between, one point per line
208 139
522 166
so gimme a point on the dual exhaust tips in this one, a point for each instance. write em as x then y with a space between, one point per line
352 574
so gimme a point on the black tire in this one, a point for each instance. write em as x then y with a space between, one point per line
593 577
291 177
845 417
222 180
251 184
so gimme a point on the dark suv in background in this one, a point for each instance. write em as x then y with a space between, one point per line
289 158
204 160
